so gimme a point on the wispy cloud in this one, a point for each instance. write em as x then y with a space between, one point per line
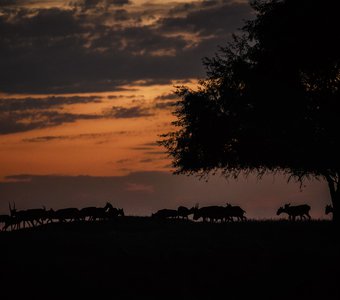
87 136
15 104
20 115
137 187
147 146
14 122
120 112
166 105
167 96
100 4
165 101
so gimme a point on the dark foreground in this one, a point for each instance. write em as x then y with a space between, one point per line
141 258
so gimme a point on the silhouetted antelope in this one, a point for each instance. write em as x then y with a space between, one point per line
28 216
108 212
16 216
64 214
50 215
165 213
88 212
328 209
7 221
113 212
234 211
301 211
184 212
211 213
93 213
35 216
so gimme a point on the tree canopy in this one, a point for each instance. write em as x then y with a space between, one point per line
271 98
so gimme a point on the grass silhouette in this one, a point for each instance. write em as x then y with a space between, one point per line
138 257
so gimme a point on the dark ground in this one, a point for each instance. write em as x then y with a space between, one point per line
138 257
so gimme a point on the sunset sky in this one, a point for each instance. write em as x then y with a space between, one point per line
86 88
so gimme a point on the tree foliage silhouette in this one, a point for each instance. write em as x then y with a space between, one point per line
270 100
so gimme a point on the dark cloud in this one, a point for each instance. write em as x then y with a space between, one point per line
101 4
119 2
45 138
154 81
121 15
88 4
148 148
147 160
14 122
169 96
28 28
21 121
20 115
142 193
87 136
14 3
128 112
165 101
166 105
14 104
182 8
124 96
67 51
215 18
4 3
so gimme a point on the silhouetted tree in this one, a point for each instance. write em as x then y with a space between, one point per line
270 101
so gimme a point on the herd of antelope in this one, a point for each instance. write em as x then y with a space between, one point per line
207 213
232 213
33 217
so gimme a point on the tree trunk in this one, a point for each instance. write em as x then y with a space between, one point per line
334 189
336 213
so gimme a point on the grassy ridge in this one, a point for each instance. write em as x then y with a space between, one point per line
138 257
